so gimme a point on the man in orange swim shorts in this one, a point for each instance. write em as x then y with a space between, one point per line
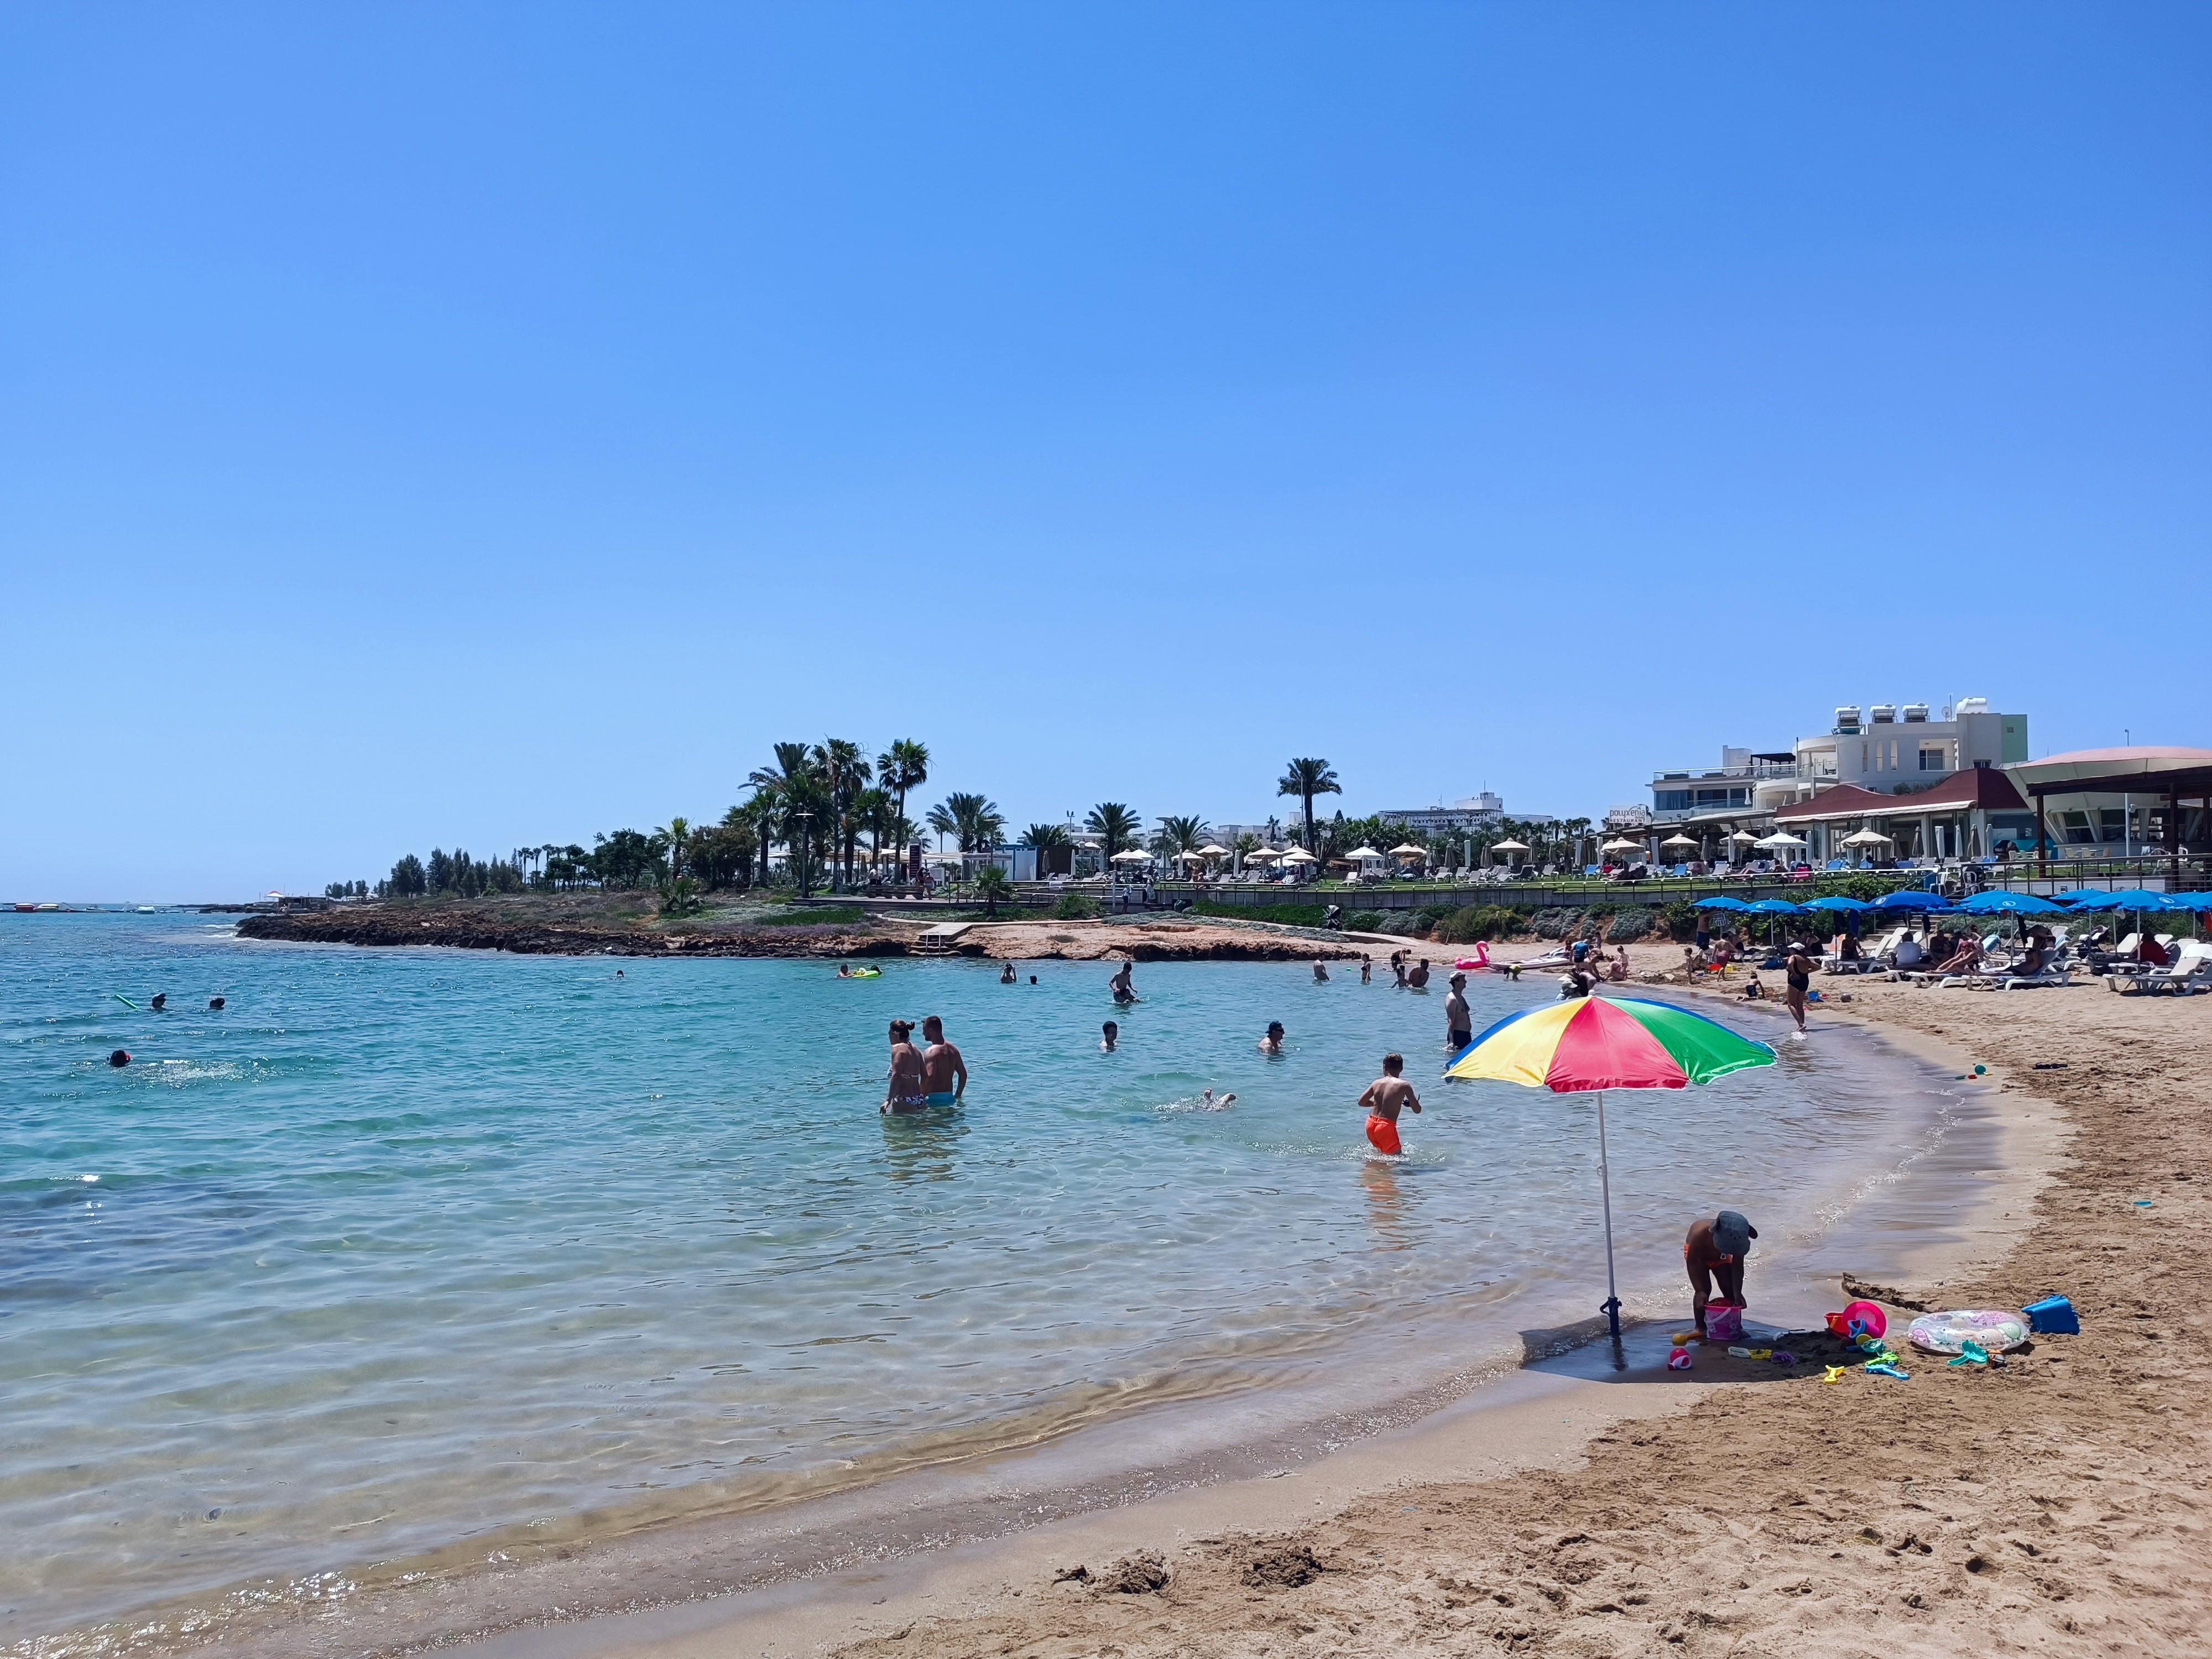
1384 1098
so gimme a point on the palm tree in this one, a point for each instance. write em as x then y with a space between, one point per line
871 811
1179 834
1305 778
942 822
1048 840
845 773
904 766
1115 826
976 822
992 885
678 835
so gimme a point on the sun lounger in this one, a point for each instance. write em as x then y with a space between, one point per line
2190 971
2052 973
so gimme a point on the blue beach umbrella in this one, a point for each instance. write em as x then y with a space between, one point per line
1838 903
2001 904
1778 908
1912 898
2197 901
1720 902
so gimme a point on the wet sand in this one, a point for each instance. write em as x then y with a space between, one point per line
2056 1506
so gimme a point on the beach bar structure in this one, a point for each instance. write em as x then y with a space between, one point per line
1962 817
2138 802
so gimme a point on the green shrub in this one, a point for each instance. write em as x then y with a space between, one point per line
810 915
1075 906
1478 922
1557 922
1678 920
1365 921
1285 915
1629 926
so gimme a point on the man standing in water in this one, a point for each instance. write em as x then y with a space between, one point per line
1124 983
1419 979
1459 1021
940 1065
1321 971
1384 1098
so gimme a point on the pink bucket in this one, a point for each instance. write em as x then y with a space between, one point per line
1723 1321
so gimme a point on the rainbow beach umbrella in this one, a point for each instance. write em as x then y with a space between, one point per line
1592 1044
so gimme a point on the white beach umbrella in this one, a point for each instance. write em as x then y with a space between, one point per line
1618 844
1867 838
1299 856
1132 857
1678 841
1362 853
1779 840
1515 846
1262 855
1408 850
1744 838
1214 850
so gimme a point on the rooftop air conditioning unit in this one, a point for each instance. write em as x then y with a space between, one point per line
1847 721
1882 714
1973 706
1915 711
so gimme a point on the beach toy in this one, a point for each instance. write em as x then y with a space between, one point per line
1859 1319
1760 1353
1971 1353
1885 1369
1994 1329
2142 1204
124 1000
1783 1357
1679 1360
1835 1374
1724 1321
1680 1337
1738 1353
2054 1315
1981 1071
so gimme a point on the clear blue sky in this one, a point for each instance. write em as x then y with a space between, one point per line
428 424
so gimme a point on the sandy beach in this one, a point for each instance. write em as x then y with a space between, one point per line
2056 1506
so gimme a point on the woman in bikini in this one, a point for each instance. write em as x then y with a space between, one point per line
906 1094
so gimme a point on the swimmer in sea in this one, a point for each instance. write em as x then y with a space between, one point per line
844 970
1321 972
1384 1098
215 1003
160 1001
1273 1042
1398 968
1124 983
1366 969
1419 979
1212 1105
120 1057
1110 1034
940 1065
906 1095
1007 977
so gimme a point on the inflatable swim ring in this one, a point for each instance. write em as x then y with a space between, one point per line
863 973
1995 1328
1479 959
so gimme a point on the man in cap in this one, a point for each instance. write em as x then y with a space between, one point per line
1714 1254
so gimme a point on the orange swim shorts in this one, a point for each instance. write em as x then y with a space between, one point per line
1382 1134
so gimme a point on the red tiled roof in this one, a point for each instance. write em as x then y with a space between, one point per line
1981 786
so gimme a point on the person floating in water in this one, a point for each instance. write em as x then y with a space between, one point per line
906 1095
1110 1034
1222 1105
215 1003
944 1073
1273 1042
1124 983
1459 1022
844 970
160 1001
1384 1098
1007 977
120 1057
1320 972
1714 1253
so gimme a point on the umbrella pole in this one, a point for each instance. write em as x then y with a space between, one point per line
1611 1309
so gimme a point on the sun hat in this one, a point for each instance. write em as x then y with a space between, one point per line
1732 1234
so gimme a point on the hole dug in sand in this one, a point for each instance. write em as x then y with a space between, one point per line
1141 1574
1282 1566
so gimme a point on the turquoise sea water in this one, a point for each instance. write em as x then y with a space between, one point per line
404 1248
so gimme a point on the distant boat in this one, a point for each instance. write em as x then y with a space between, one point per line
146 909
24 909
49 905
